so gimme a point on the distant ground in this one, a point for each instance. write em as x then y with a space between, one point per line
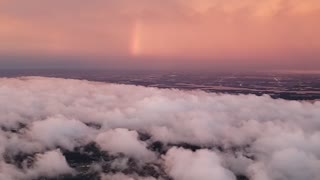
289 86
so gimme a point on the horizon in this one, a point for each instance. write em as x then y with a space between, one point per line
266 35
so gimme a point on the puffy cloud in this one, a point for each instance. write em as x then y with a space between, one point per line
50 164
10 172
125 177
126 142
302 166
231 135
186 165
288 164
54 132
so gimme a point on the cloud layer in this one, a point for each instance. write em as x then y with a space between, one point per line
136 132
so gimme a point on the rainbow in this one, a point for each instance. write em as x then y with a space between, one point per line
136 45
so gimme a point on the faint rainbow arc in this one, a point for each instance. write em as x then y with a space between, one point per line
136 42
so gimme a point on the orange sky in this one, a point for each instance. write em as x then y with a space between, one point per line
196 31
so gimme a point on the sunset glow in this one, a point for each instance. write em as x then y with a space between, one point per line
281 32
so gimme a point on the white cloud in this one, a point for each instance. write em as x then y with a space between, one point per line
50 164
260 137
121 176
10 172
126 142
61 132
203 164
287 164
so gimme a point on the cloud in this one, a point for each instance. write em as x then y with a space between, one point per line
124 177
61 132
126 142
10 172
186 165
303 166
49 164
132 131
288 164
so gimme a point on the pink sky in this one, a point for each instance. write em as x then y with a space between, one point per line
270 33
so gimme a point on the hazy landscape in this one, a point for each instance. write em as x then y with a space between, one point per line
284 85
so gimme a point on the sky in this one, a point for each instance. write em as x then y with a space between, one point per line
213 34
